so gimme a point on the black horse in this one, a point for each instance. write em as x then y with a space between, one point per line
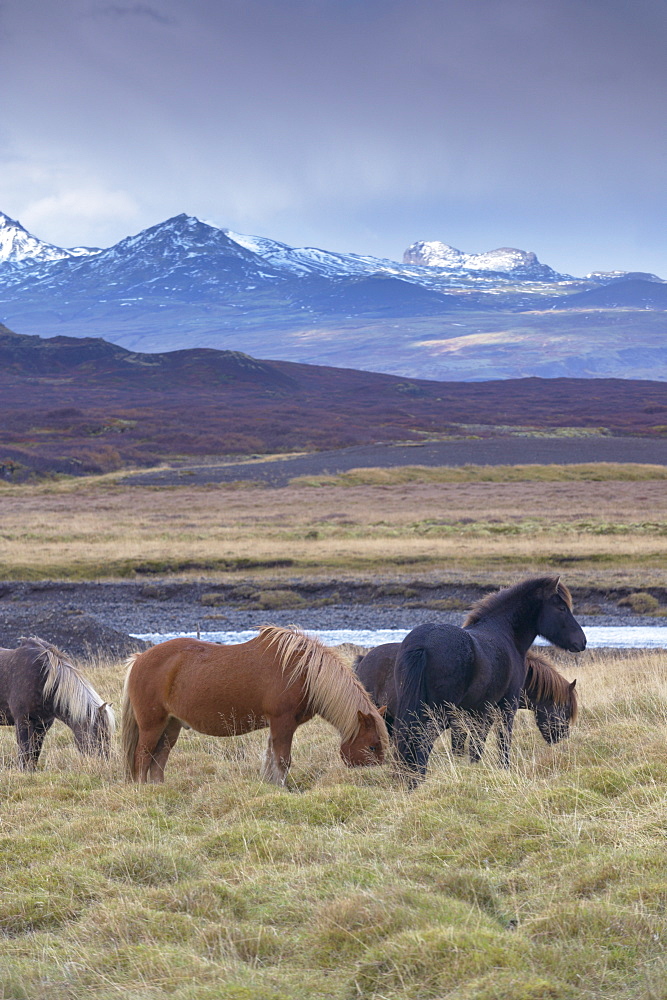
37 685
549 695
479 669
375 670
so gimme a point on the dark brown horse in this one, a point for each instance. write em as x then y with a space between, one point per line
280 679
37 685
546 693
479 669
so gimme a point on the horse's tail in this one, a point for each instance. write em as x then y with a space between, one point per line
129 726
410 675
411 720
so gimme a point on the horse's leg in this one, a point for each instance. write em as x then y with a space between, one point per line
279 749
505 728
481 723
267 763
414 742
42 727
162 750
147 744
30 735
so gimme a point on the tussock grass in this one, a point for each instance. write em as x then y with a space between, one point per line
546 881
608 533
577 472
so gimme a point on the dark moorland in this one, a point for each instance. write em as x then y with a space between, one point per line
82 406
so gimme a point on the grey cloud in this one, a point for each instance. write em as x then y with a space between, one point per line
135 10
358 125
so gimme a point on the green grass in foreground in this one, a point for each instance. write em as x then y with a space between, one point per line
544 882
591 472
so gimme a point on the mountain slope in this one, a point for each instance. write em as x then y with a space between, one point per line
19 247
182 258
633 294
184 283
83 405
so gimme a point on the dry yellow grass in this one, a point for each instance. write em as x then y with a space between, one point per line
546 881
577 472
608 532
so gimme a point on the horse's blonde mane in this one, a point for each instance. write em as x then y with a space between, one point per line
490 603
332 689
72 694
544 683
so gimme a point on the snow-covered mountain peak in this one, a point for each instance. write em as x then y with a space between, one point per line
434 254
182 235
507 260
311 261
18 246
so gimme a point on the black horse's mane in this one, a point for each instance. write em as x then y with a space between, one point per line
544 683
499 598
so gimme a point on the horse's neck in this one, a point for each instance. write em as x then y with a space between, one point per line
524 638
62 713
73 705
521 634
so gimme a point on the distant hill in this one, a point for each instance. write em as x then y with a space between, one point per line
96 362
84 405
442 313
633 294
372 296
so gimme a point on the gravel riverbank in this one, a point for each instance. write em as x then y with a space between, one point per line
87 618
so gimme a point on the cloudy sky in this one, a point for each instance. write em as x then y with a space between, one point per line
353 125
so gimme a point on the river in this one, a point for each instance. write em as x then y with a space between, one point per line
597 636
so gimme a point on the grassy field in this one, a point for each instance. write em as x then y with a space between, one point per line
601 525
546 882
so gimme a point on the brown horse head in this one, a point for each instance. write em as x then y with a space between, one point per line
369 745
551 696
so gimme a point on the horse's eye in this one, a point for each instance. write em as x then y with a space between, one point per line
373 747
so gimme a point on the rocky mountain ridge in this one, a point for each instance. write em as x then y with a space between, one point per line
443 314
185 237
19 247
505 260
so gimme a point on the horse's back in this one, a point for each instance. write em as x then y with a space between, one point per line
500 666
444 655
375 670
21 679
209 686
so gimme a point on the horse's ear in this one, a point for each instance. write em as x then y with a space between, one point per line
382 711
553 586
105 704
573 684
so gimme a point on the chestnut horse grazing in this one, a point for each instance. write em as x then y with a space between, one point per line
280 679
